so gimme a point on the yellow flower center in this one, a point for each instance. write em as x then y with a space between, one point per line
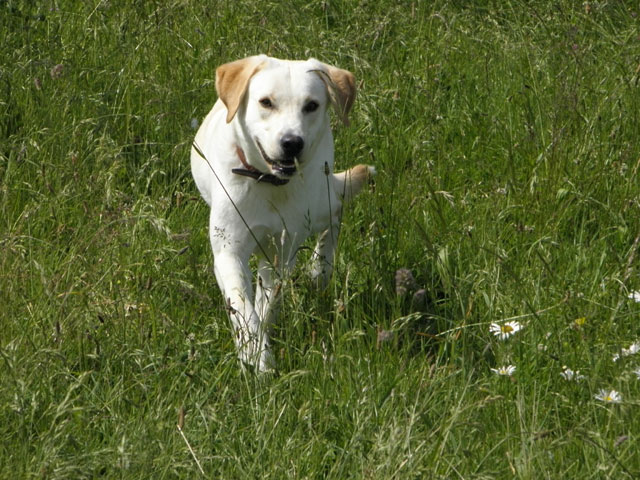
580 321
507 329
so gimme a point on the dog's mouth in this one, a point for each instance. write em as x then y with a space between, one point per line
283 167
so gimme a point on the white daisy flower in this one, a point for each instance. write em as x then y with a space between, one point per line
625 352
569 374
635 296
632 350
506 370
505 330
637 372
608 396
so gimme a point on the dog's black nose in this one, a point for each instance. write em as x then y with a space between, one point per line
292 145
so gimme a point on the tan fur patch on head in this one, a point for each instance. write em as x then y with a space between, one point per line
232 80
345 85
341 85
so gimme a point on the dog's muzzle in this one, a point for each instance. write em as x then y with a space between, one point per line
291 145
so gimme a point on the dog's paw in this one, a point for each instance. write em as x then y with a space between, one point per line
258 359
349 183
267 363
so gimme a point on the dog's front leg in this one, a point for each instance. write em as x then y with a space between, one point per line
324 255
268 289
234 278
273 271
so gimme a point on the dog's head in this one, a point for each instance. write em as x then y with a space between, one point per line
281 107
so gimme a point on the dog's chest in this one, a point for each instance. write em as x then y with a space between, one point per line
300 207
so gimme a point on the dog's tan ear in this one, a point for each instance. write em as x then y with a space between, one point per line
341 85
232 80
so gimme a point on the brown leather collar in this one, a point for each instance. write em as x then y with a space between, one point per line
249 171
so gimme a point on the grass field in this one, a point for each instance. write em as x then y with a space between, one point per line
506 135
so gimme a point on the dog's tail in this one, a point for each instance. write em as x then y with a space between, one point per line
348 184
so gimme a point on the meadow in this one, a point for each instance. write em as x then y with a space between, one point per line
502 230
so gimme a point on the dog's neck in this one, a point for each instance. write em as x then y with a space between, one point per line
250 171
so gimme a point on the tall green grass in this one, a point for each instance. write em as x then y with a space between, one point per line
507 140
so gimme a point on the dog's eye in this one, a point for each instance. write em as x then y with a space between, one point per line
266 102
310 107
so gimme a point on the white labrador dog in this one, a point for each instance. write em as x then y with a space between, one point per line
263 161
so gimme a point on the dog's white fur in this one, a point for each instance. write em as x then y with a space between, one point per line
262 102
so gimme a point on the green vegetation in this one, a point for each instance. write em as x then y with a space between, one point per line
506 135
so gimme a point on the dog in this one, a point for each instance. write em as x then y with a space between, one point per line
263 161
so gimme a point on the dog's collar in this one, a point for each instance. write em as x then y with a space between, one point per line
249 171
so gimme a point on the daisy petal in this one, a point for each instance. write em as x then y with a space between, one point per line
505 330
506 370
608 396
